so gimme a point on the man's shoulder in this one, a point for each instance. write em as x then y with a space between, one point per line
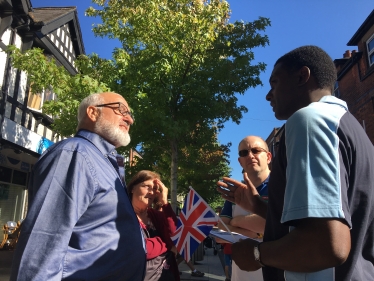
317 112
70 145
74 144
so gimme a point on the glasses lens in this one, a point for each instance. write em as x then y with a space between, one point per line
122 108
256 150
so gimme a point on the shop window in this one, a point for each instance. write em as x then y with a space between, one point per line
12 202
19 177
13 195
5 174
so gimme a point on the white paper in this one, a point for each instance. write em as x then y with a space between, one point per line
224 235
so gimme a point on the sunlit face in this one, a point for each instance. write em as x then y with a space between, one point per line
254 163
283 92
111 124
143 193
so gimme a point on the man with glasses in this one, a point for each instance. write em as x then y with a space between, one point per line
80 223
254 158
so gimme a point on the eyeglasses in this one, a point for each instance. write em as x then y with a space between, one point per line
122 109
254 150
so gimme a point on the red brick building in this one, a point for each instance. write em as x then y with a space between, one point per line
355 83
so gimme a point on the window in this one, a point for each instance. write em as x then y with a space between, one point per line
36 101
336 90
370 46
13 195
19 178
5 174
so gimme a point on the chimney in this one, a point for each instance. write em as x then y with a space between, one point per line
347 54
354 52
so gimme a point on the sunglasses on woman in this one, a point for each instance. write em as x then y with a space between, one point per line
254 150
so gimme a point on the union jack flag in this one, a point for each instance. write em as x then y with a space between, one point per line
195 222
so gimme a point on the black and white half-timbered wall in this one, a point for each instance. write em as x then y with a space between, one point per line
25 132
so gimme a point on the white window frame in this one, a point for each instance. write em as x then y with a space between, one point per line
370 52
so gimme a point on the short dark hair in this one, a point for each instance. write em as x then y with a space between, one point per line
317 60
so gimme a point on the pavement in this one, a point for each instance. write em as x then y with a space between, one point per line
211 265
5 264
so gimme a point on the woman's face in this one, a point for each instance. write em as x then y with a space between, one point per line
143 193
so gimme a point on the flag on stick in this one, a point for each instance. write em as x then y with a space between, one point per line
195 222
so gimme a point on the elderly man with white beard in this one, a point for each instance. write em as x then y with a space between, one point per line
80 223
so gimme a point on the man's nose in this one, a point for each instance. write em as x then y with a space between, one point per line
128 119
268 96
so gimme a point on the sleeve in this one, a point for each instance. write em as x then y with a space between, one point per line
313 166
170 217
155 247
61 189
162 226
226 210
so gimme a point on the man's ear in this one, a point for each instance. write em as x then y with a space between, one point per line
239 158
93 113
269 157
303 75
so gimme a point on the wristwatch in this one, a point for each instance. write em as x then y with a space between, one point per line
256 253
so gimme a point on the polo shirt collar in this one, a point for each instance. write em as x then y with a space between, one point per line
103 145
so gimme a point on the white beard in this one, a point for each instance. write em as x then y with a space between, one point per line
112 133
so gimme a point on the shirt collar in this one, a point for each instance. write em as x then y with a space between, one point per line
103 145
265 182
334 100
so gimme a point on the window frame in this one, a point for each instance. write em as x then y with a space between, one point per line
370 52
336 92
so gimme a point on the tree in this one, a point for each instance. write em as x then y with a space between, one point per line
180 67
210 161
43 73
200 166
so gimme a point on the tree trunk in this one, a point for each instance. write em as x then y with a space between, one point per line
174 174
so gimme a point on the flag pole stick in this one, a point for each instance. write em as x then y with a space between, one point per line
228 230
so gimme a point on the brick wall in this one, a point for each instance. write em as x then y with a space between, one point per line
356 87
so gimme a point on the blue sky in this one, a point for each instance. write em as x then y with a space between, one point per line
329 24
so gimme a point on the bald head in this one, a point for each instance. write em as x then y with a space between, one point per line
255 158
249 139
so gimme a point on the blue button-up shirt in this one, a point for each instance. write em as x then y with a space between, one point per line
80 223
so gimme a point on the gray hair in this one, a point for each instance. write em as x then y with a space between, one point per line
93 99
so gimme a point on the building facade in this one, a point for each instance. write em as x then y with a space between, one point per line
25 131
355 83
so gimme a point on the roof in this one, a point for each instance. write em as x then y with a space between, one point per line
365 26
47 15
47 19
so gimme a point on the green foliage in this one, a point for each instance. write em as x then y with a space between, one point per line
43 72
181 66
